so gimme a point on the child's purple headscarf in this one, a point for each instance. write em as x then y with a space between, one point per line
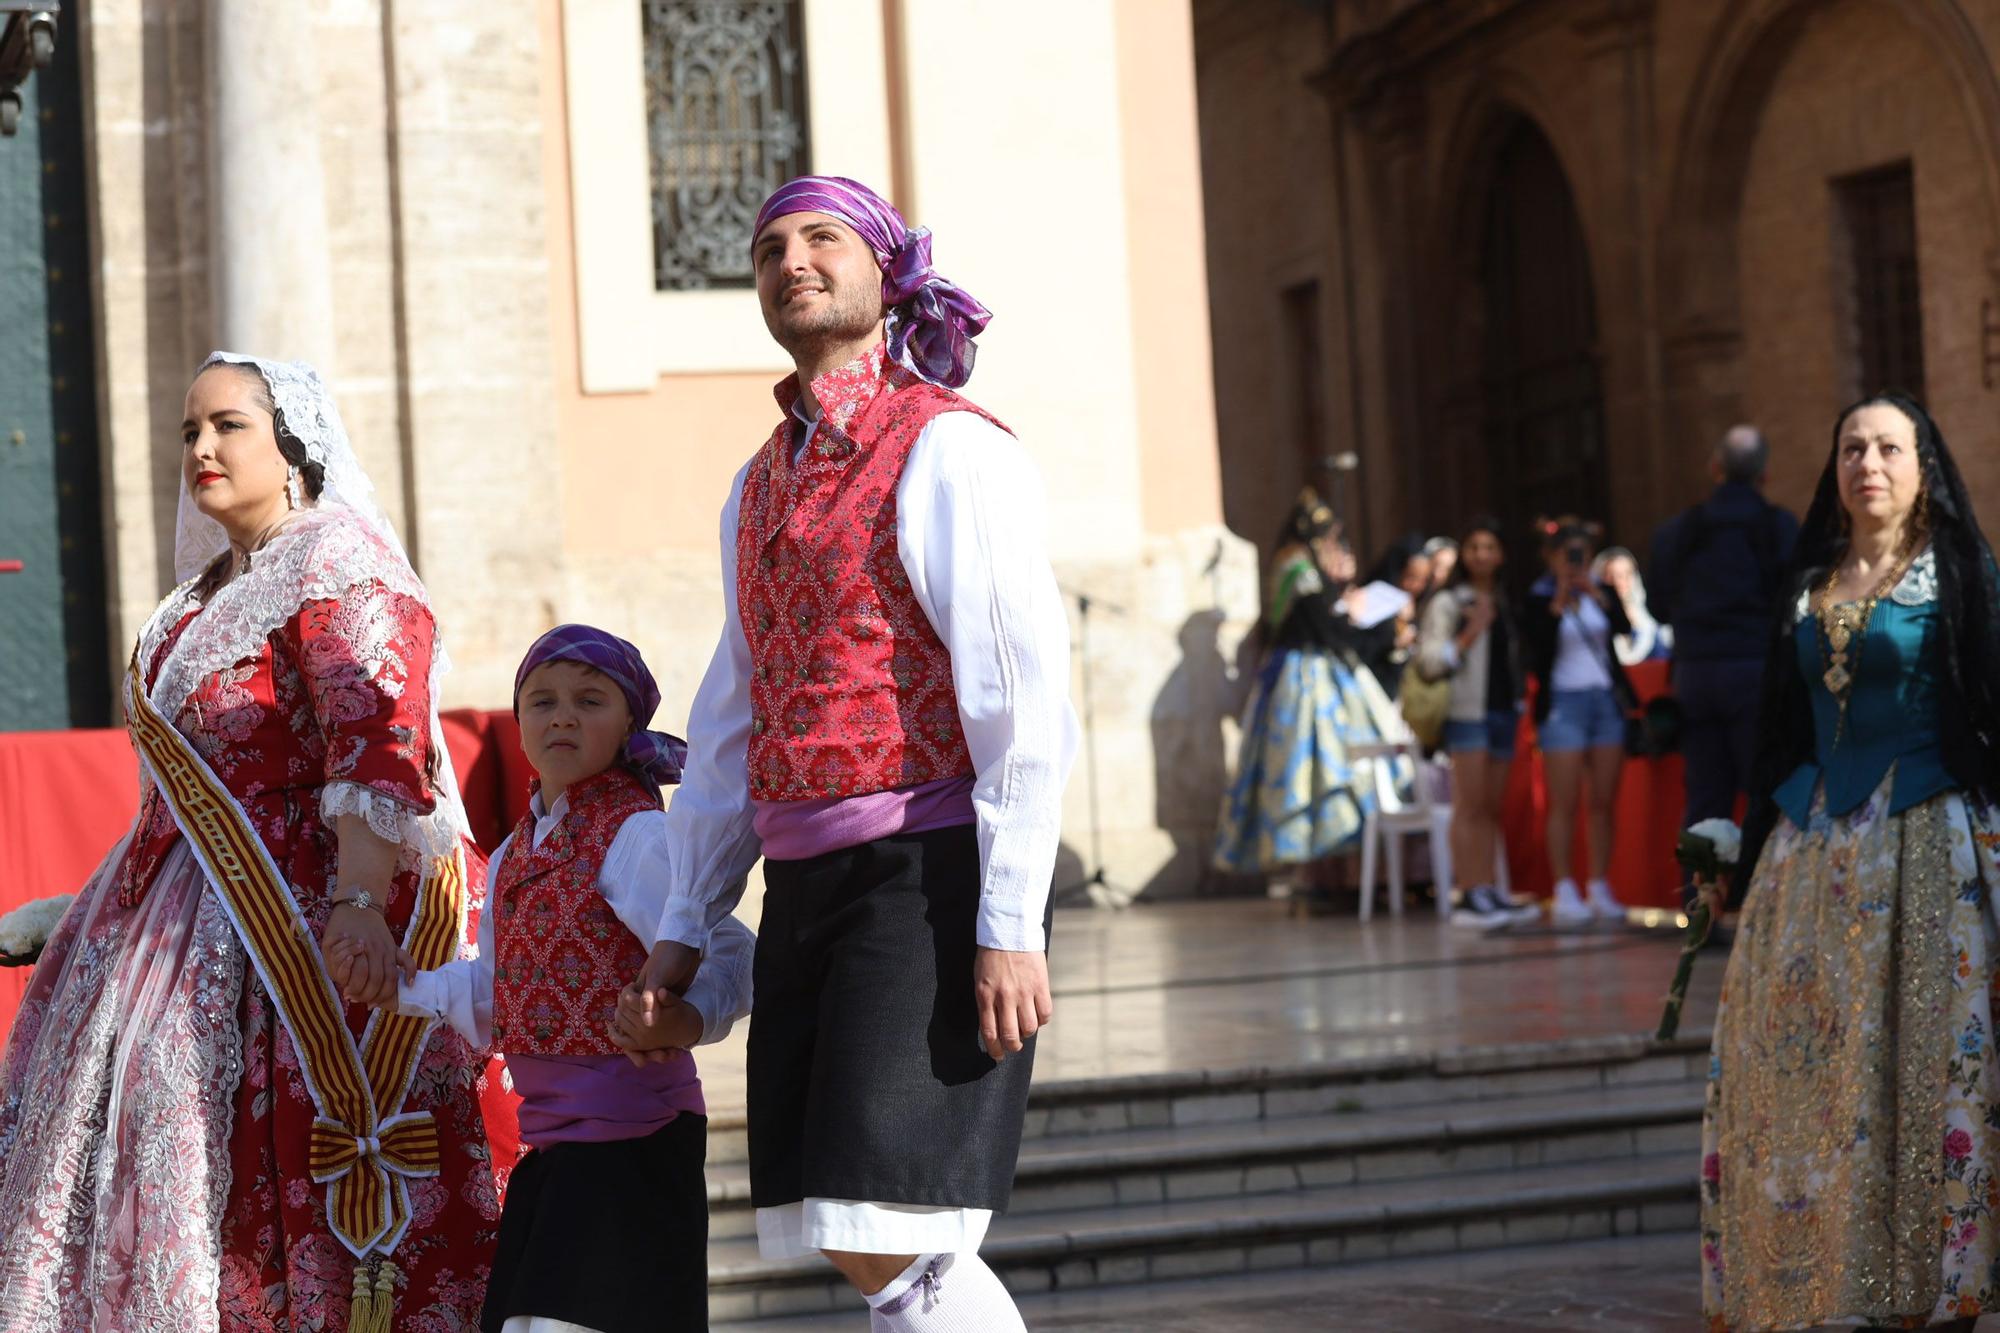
654 755
931 322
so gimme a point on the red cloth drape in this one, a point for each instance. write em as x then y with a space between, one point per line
67 796
1651 797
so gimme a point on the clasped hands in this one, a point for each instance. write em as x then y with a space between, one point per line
652 1021
649 1025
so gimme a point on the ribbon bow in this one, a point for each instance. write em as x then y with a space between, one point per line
405 1144
932 320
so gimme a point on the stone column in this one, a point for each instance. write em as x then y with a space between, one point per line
269 260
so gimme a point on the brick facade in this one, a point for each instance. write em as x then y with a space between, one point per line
1359 145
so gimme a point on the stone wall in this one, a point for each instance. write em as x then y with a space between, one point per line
428 126
447 167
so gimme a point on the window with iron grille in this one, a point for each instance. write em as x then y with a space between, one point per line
726 124
1878 213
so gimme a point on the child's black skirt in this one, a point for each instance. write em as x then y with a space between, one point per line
612 1236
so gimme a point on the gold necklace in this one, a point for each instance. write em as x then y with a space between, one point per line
1845 625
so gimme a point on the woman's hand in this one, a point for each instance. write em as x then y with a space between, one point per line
1478 618
360 955
1714 894
1406 634
360 937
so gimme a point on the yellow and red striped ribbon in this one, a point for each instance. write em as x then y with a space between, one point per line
361 1139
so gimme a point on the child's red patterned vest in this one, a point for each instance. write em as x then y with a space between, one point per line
560 954
850 687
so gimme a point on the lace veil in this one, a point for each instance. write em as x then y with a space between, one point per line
317 555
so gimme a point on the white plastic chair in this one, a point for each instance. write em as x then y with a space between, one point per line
1393 819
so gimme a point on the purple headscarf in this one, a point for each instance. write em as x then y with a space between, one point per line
931 322
654 755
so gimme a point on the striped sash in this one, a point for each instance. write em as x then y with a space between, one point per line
363 1144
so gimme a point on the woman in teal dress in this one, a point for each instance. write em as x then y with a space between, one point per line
1852 1132
1299 794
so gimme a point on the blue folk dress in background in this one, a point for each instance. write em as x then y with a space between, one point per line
1299 794
1853 1119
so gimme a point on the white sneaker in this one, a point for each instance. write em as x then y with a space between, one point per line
1479 909
1569 908
1604 903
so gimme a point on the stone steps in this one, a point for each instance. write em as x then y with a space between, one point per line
1117 1105
1202 1237
1156 1178
1061 1172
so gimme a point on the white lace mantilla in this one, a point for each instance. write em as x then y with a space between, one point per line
1917 587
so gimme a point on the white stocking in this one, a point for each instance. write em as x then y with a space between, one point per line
945 1293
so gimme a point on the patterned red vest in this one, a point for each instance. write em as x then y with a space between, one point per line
850 688
560 954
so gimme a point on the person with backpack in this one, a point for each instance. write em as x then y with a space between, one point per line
1717 570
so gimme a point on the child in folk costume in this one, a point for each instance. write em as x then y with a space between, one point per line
614 1186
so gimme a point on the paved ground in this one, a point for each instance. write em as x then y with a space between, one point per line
1239 982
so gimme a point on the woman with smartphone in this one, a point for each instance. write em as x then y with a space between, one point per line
1570 624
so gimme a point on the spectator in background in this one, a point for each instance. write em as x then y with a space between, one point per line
1384 648
1444 554
1468 635
1717 571
1618 570
1568 625
1299 795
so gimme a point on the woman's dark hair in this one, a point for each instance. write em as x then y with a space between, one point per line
1389 566
1968 629
311 475
1483 523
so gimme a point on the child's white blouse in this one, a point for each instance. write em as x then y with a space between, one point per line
634 880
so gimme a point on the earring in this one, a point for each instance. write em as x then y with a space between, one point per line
292 491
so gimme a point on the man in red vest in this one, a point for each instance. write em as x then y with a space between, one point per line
886 720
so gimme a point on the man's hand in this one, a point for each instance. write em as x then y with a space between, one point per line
1011 991
649 1026
670 967
643 1005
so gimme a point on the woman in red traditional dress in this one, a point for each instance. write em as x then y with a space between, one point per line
156 1111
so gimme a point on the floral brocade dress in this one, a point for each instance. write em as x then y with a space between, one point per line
1852 1131
1299 792
154 1120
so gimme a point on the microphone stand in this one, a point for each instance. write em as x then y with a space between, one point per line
1094 887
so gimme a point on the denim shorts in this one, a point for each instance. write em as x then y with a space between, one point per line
1493 733
1583 720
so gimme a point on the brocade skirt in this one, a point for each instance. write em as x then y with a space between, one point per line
1299 794
1852 1129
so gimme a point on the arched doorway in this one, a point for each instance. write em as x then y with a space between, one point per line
1542 416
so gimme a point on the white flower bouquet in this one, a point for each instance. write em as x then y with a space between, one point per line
1709 851
27 928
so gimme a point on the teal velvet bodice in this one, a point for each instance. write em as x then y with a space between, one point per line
1892 708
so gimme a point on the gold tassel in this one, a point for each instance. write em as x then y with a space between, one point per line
373 1309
